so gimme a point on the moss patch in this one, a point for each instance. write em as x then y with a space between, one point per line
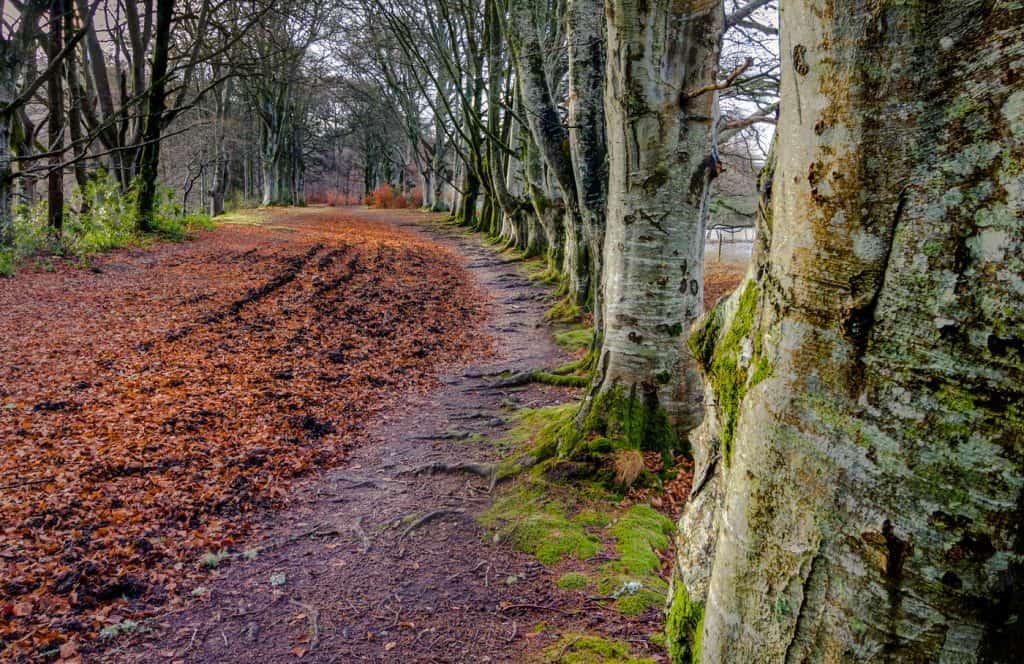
718 351
536 524
573 581
565 311
684 627
639 533
588 649
575 340
629 422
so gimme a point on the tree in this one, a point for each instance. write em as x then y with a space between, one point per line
660 93
860 469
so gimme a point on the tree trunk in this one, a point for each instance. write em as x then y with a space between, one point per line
8 93
55 125
75 97
552 140
867 381
660 142
587 136
156 101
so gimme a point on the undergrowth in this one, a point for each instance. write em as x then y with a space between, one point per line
564 518
99 218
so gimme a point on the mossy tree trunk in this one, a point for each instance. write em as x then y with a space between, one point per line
860 475
587 134
537 86
662 59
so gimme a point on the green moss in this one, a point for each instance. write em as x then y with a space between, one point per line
538 525
640 602
573 581
575 340
560 379
581 364
593 518
763 371
586 649
565 311
629 423
639 533
684 627
703 340
727 378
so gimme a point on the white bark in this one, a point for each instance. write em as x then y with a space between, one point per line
868 504
659 154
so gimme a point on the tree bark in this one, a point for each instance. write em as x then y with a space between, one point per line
552 140
156 103
867 381
55 125
587 137
660 165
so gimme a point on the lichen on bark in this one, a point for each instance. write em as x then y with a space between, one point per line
872 507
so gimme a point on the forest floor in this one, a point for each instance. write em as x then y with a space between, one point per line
207 451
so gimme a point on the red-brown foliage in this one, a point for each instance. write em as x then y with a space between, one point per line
147 409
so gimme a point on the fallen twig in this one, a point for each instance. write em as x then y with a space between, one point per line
313 616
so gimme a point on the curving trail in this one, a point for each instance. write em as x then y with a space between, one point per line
380 565
262 392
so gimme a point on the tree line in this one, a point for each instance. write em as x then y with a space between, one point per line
854 410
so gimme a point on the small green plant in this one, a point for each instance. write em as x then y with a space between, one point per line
124 627
211 560
99 217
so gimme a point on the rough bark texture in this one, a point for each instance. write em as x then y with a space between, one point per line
55 123
660 165
587 132
868 379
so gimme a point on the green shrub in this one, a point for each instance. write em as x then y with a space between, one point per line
100 217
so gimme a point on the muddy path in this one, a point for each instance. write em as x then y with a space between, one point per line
372 563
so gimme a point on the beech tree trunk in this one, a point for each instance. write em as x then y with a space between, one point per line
552 141
587 136
662 58
860 472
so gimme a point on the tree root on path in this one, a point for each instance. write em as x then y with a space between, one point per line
541 376
493 472
427 518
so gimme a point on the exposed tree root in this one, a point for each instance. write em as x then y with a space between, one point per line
427 518
542 376
494 472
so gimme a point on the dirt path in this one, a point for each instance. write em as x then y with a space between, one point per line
154 408
342 577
